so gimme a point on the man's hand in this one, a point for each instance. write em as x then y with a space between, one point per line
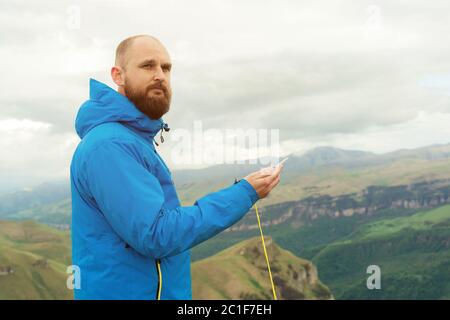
264 180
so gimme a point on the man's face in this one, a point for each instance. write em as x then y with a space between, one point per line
147 77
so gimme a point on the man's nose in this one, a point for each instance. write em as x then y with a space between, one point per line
159 75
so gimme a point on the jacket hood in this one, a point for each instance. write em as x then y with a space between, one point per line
107 105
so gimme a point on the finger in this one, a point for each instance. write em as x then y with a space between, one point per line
262 175
277 170
253 175
259 174
271 178
272 185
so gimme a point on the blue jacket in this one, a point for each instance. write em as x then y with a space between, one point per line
126 215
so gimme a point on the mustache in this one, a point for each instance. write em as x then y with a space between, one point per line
158 86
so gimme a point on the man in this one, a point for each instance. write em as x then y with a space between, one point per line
130 236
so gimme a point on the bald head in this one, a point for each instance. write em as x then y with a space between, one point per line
142 73
125 48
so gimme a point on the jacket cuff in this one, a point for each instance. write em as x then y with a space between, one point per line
249 189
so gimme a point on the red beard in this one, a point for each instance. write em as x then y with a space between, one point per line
154 106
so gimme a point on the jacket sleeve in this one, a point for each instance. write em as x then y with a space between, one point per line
131 200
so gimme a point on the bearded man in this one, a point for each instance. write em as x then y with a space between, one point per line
131 238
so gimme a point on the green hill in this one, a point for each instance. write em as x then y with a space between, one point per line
302 226
413 253
412 250
33 261
240 272
34 258
342 209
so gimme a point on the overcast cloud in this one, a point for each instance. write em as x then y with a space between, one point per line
371 75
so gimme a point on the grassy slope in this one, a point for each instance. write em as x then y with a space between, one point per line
304 241
413 253
39 256
240 272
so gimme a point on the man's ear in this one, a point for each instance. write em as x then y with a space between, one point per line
117 75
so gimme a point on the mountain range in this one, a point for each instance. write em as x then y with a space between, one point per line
321 171
342 210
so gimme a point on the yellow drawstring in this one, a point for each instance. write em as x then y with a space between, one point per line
160 279
265 253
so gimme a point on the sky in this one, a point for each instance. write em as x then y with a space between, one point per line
366 75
